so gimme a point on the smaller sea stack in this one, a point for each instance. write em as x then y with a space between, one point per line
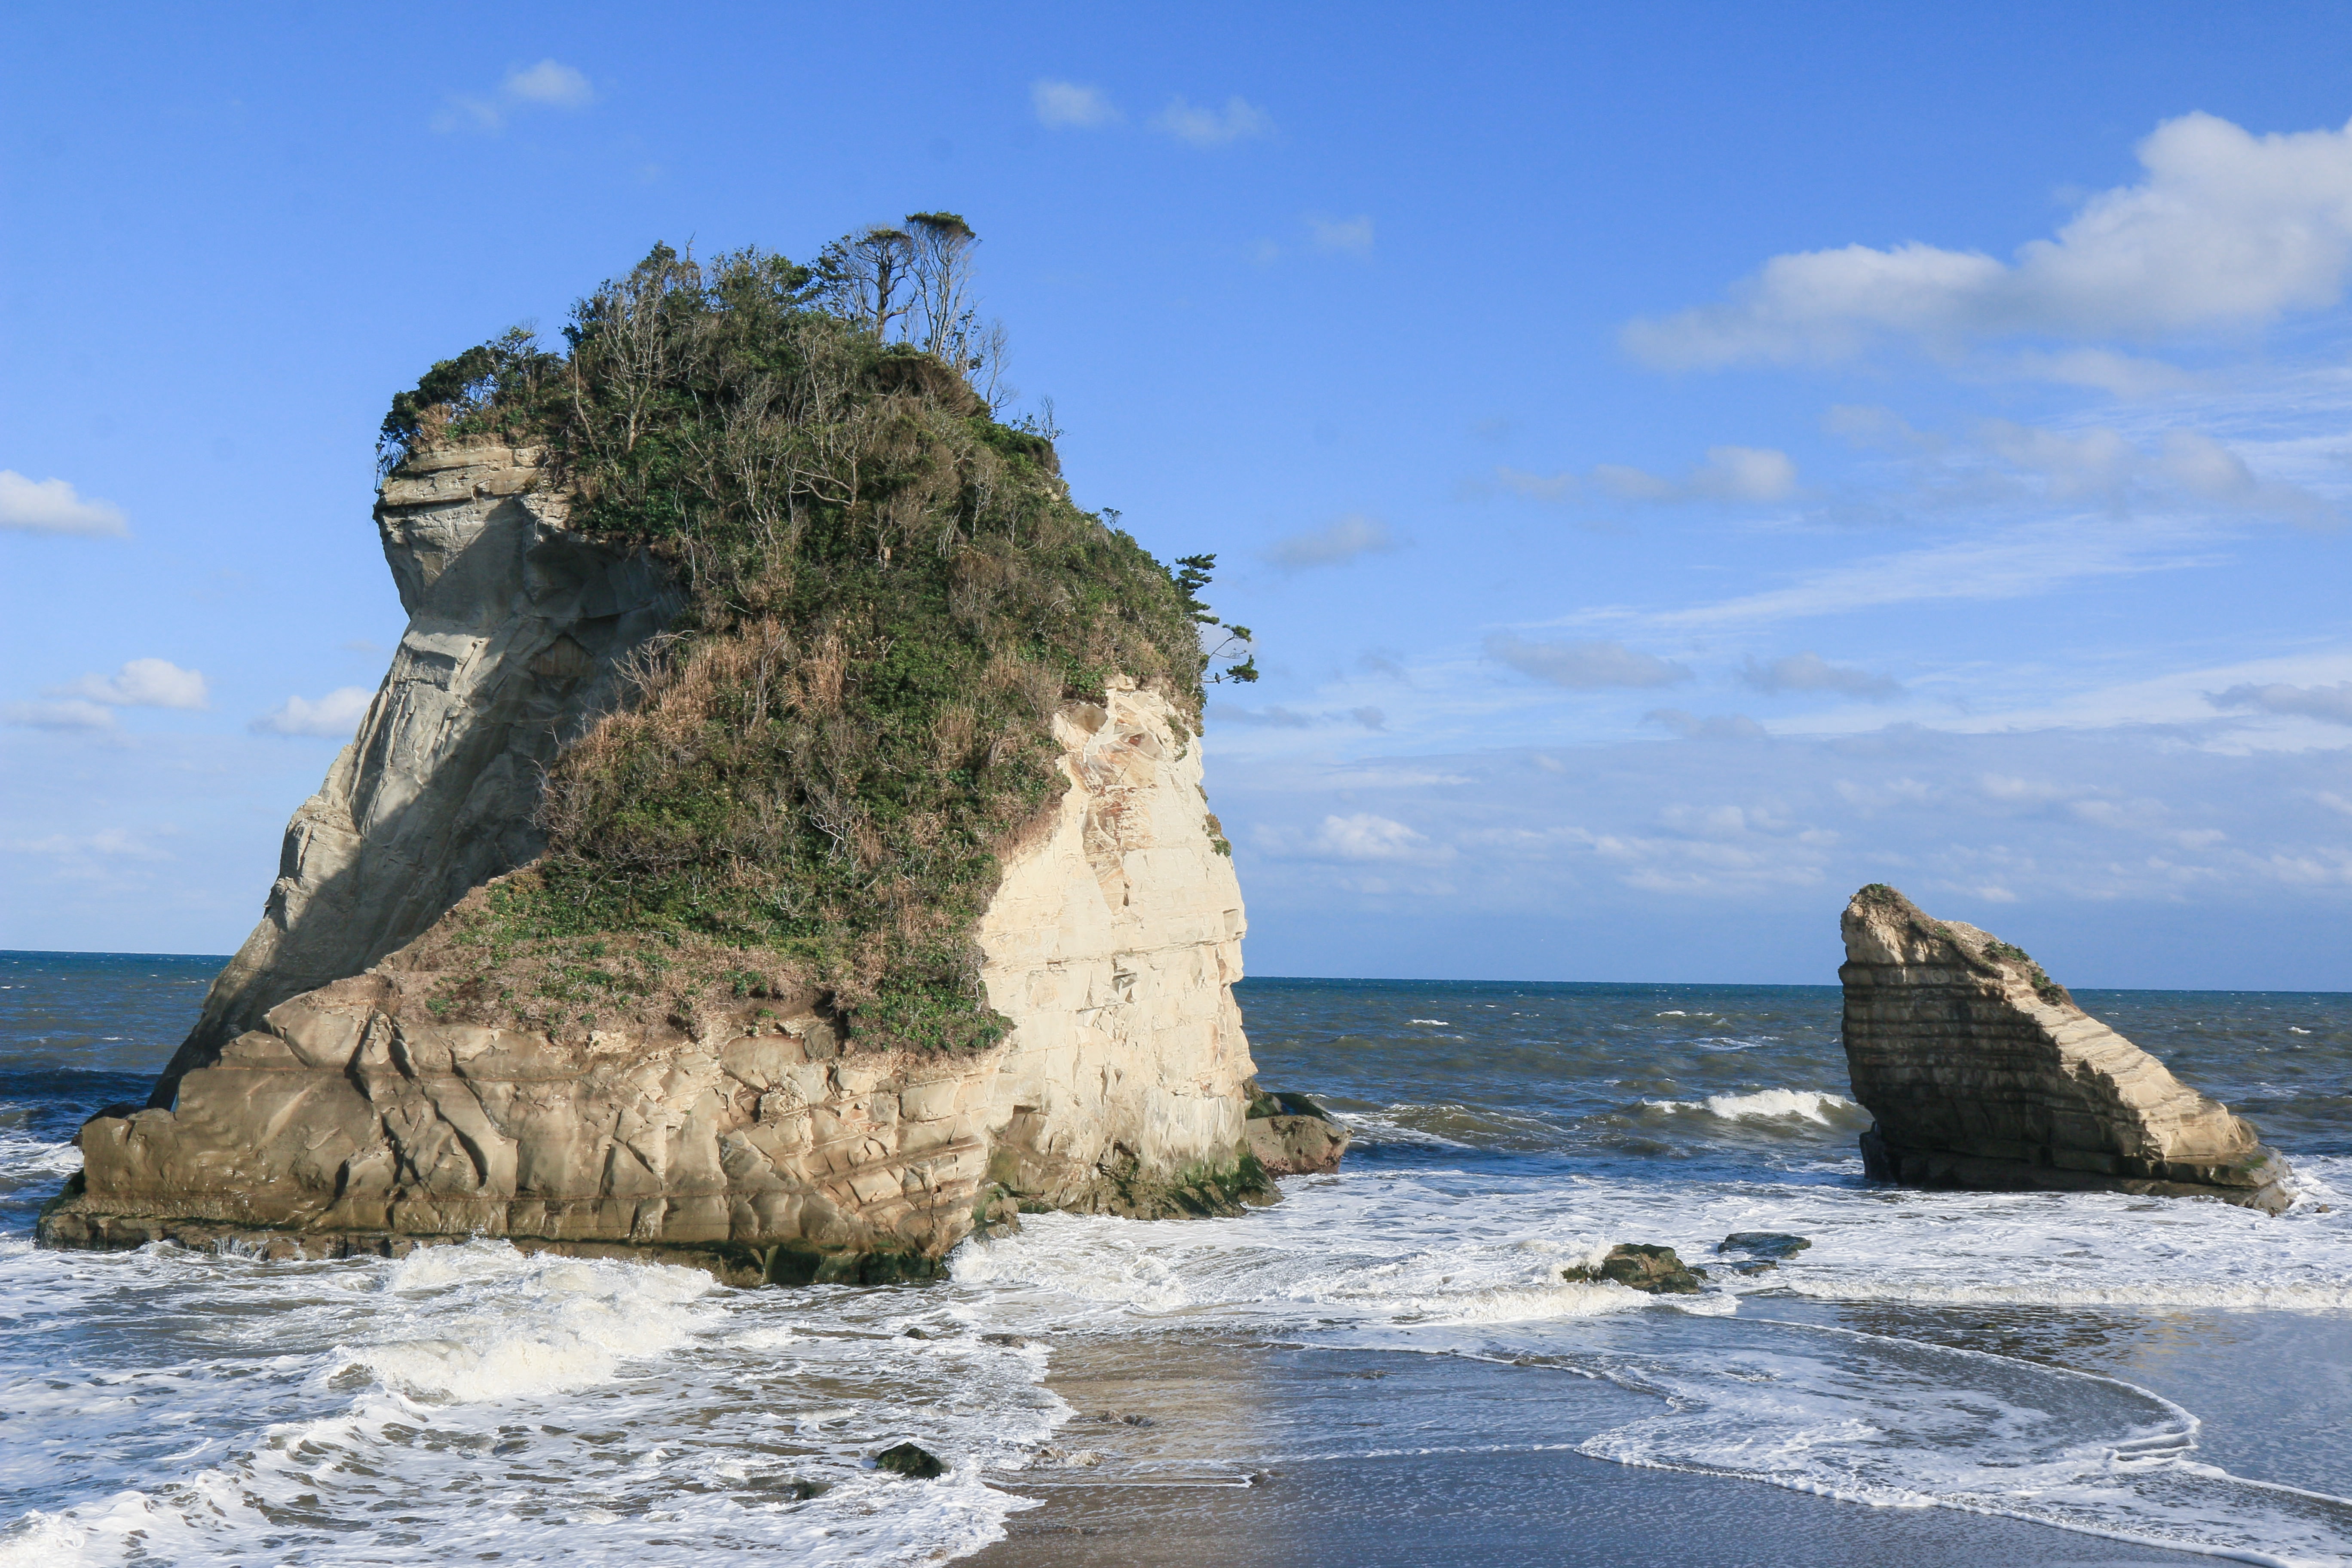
1981 1073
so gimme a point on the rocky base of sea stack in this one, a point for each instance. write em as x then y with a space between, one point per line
2256 1180
64 1224
1983 1074
1290 1135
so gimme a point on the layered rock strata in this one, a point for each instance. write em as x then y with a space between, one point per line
764 1147
1981 1072
517 631
322 1108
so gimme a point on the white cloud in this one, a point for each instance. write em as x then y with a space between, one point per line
1238 120
1811 672
112 843
2101 370
2003 461
2014 564
50 506
1351 536
73 715
555 85
1363 836
1066 105
1557 487
550 84
2333 703
141 683
1729 473
1352 236
2225 228
1584 666
335 716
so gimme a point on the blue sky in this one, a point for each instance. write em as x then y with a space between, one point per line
1681 462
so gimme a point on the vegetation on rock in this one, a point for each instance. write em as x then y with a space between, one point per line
890 595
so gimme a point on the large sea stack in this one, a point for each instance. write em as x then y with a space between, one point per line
778 843
1982 1073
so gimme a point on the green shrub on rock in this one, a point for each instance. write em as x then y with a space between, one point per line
889 594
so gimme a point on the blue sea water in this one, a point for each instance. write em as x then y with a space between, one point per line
2175 1375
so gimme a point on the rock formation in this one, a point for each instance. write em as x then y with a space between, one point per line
517 629
1292 1136
1982 1073
1652 1270
762 1147
324 1106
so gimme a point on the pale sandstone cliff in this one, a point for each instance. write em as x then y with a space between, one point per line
1982 1073
518 628
347 1117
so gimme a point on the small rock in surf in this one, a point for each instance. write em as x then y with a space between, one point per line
1653 1269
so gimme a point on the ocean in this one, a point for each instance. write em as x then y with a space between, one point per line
1385 1367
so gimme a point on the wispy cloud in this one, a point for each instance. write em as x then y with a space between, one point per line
1069 106
1361 836
1345 540
1714 727
2011 563
111 843
1351 237
141 683
1584 666
1270 718
335 716
52 506
1280 717
2333 703
1748 474
2224 228
1811 672
1555 487
2001 462
69 715
550 84
1238 120
1729 473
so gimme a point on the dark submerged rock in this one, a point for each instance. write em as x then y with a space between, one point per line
906 1459
1754 1251
1655 1270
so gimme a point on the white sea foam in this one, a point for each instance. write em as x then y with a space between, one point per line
533 1326
1425 1261
1889 1422
1813 1105
494 1402
196 1408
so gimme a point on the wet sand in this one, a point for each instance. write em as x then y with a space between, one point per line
1203 1451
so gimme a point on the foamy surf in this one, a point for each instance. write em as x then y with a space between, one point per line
470 1400
198 1409
1817 1106
1864 1418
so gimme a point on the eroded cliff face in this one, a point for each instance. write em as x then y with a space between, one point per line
1114 944
1983 1073
761 1144
518 628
